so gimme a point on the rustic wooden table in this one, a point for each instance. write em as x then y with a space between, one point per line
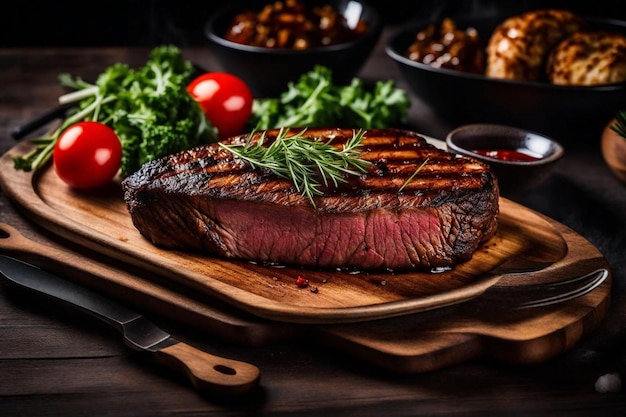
56 363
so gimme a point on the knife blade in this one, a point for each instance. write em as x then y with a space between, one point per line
41 120
206 372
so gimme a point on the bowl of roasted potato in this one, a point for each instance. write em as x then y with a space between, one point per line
547 70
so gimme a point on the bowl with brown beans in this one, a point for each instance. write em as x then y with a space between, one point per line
273 44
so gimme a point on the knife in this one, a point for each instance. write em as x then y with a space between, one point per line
58 112
206 372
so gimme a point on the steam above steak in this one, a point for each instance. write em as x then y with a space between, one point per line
207 200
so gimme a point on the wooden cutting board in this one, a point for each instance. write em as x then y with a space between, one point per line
98 219
408 344
371 316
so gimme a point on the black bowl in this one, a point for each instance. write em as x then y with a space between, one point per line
514 176
268 70
563 112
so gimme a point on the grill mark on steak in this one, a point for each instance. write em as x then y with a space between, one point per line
394 157
204 199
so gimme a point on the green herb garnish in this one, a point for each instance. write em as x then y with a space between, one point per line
304 161
620 124
148 108
408 180
316 101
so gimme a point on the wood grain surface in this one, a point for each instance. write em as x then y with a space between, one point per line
57 363
99 220
367 324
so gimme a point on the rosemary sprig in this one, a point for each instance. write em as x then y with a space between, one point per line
307 162
620 124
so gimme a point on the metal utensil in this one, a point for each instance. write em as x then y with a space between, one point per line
543 294
205 371
41 120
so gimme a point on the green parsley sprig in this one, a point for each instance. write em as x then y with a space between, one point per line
148 108
307 162
315 100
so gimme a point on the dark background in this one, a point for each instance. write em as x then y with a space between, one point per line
154 22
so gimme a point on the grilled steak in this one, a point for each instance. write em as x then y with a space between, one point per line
207 200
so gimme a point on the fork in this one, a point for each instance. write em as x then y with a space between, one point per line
544 294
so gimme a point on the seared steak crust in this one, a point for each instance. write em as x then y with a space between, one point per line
207 200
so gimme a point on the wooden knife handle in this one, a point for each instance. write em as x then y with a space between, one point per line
209 372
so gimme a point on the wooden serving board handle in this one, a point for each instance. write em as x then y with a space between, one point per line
208 372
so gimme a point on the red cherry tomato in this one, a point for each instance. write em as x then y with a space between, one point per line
225 99
87 155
